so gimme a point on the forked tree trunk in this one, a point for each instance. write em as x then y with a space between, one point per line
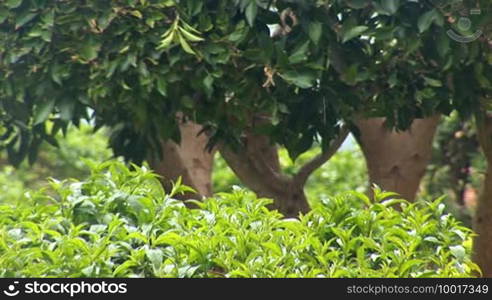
483 216
397 161
188 160
258 167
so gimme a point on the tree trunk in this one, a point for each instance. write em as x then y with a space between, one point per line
397 160
188 160
258 167
483 217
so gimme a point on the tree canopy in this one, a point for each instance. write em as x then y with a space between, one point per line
137 63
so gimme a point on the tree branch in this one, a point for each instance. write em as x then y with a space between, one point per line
257 165
303 175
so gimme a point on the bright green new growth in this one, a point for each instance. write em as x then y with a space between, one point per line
120 223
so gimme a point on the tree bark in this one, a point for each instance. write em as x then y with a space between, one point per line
483 217
258 167
188 160
397 160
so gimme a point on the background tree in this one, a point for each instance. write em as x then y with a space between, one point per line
397 161
132 61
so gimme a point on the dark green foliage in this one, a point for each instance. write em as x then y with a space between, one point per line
137 63
120 223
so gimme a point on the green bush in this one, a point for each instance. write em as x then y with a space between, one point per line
120 223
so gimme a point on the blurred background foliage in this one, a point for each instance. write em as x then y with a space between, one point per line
457 168
62 162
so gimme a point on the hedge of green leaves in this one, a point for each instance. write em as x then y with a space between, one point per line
120 223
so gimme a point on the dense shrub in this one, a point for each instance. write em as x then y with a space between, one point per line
120 223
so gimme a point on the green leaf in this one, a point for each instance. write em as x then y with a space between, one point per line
358 4
67 108
353 33
89 51
190 36
351 75
184 44
120 270
190 28
458 251
155 256
390 6
49 18
443 45
425 21
187 102
89 271
300 54
169 238
167 41
303 80
432 239
4 13
432 82
13 3
407 265
136 14
162 86
251 12
138 236
23 19
43 111
315 31
208 83
367 201
273 247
